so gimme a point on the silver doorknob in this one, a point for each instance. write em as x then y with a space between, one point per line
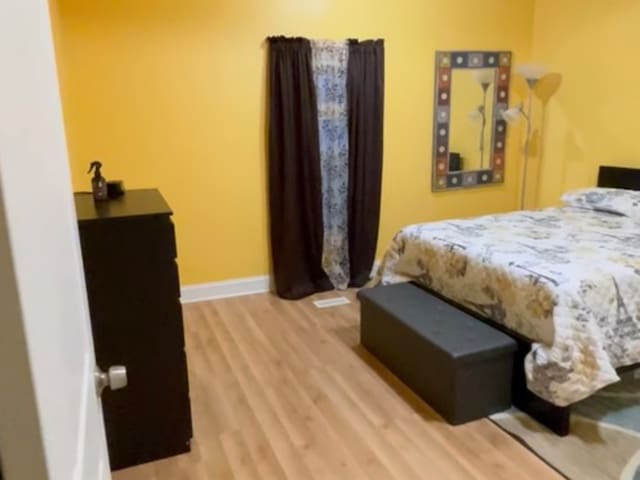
115 378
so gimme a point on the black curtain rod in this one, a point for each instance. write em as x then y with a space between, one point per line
350 40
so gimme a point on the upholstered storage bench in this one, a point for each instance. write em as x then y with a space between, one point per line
459 365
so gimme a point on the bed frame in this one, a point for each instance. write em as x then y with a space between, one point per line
619 177
557 419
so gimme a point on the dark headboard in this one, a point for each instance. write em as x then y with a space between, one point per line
619 177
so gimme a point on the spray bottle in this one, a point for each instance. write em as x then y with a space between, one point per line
98 182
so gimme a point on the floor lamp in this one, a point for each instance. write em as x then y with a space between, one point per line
531 73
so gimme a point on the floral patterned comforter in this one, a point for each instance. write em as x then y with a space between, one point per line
566 278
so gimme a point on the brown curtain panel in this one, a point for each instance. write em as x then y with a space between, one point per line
295 199
365 92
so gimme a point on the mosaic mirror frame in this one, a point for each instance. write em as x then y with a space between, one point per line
446 61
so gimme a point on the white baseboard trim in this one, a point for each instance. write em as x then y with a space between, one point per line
202 292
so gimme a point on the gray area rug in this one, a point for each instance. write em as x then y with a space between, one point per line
604 442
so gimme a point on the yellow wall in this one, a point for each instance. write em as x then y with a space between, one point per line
171 94
592 120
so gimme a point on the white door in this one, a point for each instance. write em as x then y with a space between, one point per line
50 418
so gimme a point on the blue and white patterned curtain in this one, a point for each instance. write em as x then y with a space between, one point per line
330 60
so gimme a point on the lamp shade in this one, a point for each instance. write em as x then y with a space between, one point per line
512 115
531 71
484 76
475 116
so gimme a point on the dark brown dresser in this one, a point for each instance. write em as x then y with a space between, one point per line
129 254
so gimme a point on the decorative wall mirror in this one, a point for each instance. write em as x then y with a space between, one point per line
469 134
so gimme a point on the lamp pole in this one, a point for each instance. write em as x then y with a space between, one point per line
525 166
531 82
483 111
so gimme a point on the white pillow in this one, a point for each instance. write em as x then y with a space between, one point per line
611 200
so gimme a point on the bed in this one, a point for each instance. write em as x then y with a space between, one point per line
565 282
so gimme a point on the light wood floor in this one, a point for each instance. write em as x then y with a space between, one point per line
281 389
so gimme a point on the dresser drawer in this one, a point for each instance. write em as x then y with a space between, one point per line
149 419
128 240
